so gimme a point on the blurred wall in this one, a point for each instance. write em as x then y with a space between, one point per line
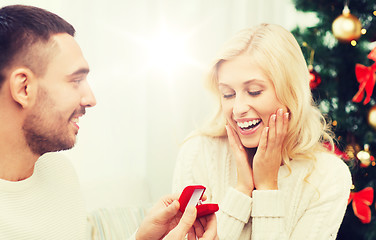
148 59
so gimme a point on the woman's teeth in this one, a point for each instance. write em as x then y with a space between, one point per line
249 124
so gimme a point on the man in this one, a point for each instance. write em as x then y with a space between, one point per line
43 93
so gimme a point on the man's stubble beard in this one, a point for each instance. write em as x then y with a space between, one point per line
46 130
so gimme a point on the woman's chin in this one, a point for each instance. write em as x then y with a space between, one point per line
249 144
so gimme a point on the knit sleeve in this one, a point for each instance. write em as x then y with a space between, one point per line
268 215
318 209
234 214
324 215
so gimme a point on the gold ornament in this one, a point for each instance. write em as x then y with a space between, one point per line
364 156
346 27
372 117
351 150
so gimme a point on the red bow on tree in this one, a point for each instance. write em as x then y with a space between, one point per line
366 78
337 151
372 54
360 203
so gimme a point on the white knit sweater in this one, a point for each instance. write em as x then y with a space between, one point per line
48 205
309 208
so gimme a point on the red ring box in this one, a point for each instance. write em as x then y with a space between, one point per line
191 196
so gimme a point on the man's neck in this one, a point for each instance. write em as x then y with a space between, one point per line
16 159
17 167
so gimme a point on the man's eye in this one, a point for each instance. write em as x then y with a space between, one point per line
77 81
254 93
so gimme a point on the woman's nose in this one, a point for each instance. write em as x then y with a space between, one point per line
241 107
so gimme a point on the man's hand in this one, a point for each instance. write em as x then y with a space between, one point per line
166 222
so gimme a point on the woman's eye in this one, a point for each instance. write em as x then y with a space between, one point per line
254 93
228 95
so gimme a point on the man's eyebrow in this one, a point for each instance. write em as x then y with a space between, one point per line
80 71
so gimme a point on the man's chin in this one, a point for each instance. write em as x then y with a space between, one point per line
41 149
65 148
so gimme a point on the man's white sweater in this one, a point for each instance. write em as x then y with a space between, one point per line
48 205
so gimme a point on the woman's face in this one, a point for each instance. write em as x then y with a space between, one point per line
248 98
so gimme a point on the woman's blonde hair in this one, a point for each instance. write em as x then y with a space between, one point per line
277 53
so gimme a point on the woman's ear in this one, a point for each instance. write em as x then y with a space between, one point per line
22 86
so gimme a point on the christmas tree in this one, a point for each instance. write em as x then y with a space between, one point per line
342 66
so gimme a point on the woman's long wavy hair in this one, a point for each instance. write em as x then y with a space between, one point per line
277 53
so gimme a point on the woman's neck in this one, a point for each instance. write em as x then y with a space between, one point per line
251 153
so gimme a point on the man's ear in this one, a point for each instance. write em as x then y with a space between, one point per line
22 82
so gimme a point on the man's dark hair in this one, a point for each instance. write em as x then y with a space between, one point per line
25 32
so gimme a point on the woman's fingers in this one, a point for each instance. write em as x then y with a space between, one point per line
233 138
263 143
244 170
268 156
237 146
278 124
280 127
285 122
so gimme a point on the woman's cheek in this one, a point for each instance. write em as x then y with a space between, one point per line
227 110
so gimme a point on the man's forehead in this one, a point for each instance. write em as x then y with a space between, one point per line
68 55
66 41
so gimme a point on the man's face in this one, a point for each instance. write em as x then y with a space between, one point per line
63 94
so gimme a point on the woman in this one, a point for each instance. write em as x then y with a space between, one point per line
262 157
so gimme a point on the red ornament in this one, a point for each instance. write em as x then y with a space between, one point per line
360 203
366 78
314 77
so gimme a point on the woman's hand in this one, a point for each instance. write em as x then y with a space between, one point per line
268 157
244 170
